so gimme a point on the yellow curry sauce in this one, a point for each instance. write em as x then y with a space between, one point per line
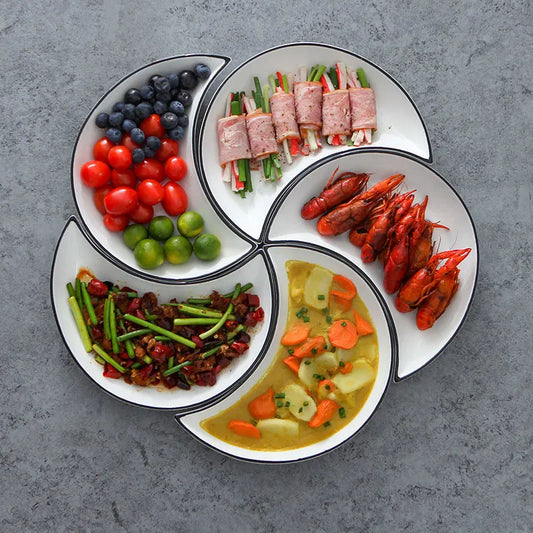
309 303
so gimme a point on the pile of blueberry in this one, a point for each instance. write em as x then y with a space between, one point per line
166 96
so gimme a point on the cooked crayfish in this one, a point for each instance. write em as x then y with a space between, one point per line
348 184
350 214
421 284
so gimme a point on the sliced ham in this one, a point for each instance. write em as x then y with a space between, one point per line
363 104
284 116
233 141
261 134
308 103
336 118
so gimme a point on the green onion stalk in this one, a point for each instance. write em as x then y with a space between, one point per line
244 175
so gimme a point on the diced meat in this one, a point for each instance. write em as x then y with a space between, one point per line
233 143
284 116
308 103
363 106
336 118
261 134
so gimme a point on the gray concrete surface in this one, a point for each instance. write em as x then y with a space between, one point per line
449 450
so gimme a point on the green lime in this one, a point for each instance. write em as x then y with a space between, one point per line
190 224
206 247
177 249
149 254
133 234
161 228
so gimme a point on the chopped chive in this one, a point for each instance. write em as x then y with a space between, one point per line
279 403
321 297
306 319
328 387
287 403
325 310
299 314
301 409
329 320
319 376
279 395
341 363
314 351
333 349
291 351
343 324
307 362
342 412
327 424
306 404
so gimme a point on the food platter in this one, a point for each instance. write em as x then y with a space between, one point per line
261 232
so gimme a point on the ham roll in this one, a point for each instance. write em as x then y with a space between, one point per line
261 134
336 118
284 116
233 143
363 104
308 103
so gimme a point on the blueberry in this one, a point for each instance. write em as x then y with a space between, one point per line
133 96
128 125
129 111
149 152
118 106
153 142
102 120
163 97
169 121
137 155
162 85
202 71
185 98
174 93
174 81
153 78
176 108
144 110
188 79
137 136
183 121
160 107
177 133
147 92
114 135
116 119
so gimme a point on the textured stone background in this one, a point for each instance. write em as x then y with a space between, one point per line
449 450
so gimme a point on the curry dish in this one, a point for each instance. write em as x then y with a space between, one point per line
322 374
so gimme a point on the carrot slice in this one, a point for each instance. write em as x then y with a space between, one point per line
347 368
293 363
343 303
324 413
343 334
325 387
363 326
296 335
263 406
311 347
349 291
244 429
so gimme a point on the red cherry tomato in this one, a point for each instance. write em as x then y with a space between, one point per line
119 157
152 126
120 200
124 178
175 199
115 222
99 195
128 143
169 148
175 168
95 173
141 214
150 192
101 149
150 169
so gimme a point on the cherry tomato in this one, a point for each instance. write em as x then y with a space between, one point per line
152 126
128 143
124 177
150 169
175 168
99 195
169 148
95 173
150 192
115 222
175 199
120 200
141 214
119 157
101 149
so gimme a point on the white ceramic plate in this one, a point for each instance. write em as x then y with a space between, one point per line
416 348
400 126
74 252
111 243
387 357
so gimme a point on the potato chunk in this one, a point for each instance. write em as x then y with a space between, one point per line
301 405
317 285
361 375
308 369
278 427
